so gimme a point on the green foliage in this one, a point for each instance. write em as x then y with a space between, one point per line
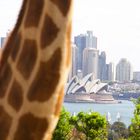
92 125
63 128
136 101
118 131
135 125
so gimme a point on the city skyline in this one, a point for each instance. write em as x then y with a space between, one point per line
115 25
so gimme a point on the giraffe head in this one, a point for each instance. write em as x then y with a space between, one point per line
33 70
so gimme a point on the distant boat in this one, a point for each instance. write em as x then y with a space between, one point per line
74 114
118 117
119 101
108 117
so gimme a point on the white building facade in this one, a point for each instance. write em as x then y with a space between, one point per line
111 72
90 62
74 60
124 72
91 41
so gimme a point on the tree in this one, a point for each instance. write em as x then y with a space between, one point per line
135 125
136 101
90 125
118 131
63 129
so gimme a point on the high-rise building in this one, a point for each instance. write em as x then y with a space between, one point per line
91 41
102 71
83 41
111 71
80 42
136 76
124 71
90 61
74 60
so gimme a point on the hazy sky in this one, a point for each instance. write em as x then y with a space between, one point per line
116 23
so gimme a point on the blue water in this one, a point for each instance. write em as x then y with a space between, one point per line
126 109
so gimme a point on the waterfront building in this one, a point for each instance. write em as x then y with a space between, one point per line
86 85
102 74
74 61
124 71
90 61
83 41
111 71
91 41
80 42
136 76
88 90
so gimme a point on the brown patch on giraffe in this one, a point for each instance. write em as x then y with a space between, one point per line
27 58
5 77
15 45
63 5
68 39
5 124
59 102
15 98
46 79
13 36
31 128
49 32
35 8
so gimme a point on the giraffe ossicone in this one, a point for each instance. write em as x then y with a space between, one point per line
34 67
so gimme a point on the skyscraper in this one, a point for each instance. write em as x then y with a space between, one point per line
74 60
91 41
136 76
124 71
90 62
83 41
102 73
111 71
80 42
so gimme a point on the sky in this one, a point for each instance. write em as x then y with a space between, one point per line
116 24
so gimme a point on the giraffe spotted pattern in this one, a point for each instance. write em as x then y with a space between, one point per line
15 98
5 77
33 70
31 128
15 45
49 32
34 13
63 5
27 58
44 85
59 102
5 124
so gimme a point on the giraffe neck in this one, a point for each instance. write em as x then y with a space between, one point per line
33 70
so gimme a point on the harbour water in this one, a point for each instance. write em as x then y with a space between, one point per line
125 109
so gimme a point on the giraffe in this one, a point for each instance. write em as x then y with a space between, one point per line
33 70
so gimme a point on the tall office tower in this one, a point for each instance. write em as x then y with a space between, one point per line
102 70
80 42
84 41
136 76
90 61
124 71
111 71
91 41
74 60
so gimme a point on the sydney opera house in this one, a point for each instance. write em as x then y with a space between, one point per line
87 90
